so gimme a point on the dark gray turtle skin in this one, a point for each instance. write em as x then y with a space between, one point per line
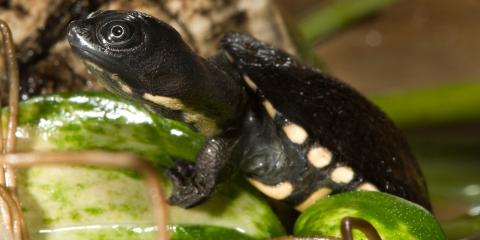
297 134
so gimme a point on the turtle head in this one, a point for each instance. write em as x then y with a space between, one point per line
132 52
145 59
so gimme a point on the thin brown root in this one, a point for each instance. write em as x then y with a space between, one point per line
2 144
5 208
19 219
103 159
350 223
13 77
12 215
11 212
346 227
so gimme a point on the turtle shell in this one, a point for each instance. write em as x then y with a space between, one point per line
331 114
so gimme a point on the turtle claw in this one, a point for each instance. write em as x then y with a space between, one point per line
187 191
180 172
187 196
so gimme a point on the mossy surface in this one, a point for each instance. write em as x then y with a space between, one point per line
101 203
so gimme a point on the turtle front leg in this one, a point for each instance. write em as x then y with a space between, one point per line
194 182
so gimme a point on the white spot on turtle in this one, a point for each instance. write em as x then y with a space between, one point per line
319 156
367 187
270 109
279 191
295 133
250 83
342 174
320 193
229 57
204 124
168 102
125 88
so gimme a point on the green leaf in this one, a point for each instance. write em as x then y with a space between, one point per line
393 217
100 203
102 121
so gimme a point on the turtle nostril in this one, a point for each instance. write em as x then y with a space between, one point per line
82 31
77 30
78 27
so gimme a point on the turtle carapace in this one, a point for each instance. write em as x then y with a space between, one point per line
296 133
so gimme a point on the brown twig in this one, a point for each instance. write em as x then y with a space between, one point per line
350 223
12 73
16 225
103 159
6 211
347 225
11 211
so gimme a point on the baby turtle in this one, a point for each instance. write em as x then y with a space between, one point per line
296 133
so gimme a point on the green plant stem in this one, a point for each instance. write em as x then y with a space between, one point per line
434 106
328 20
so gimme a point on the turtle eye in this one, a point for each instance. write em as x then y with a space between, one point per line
117 31
118 34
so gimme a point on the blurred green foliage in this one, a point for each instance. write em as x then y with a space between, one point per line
433 106
327 20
